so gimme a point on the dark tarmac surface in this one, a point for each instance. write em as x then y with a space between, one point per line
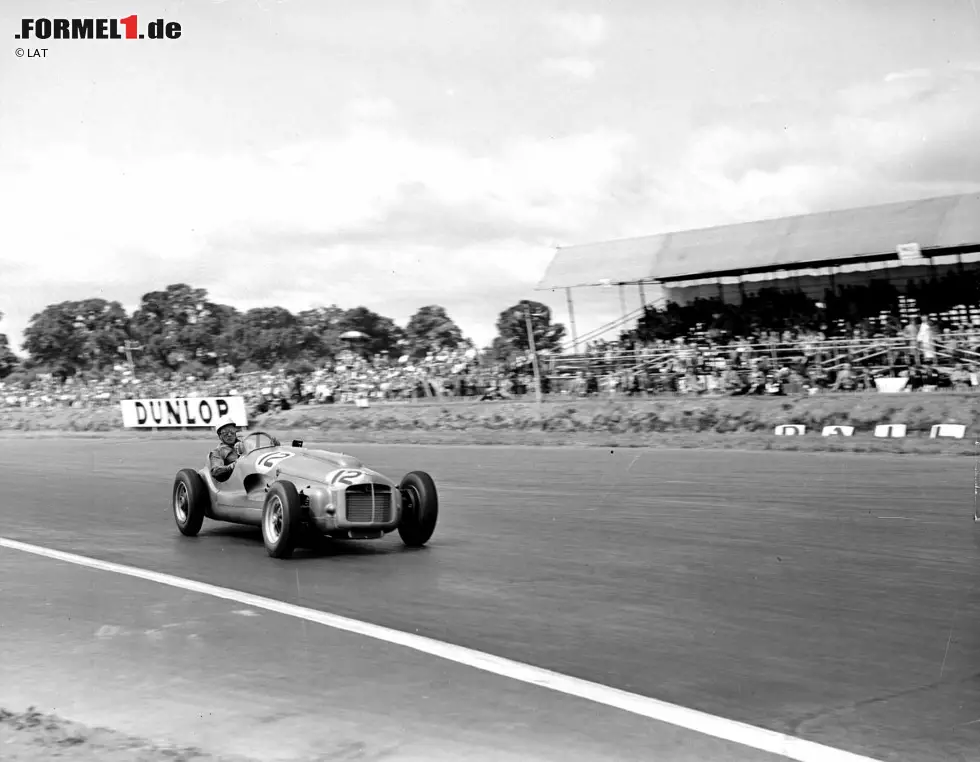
831 597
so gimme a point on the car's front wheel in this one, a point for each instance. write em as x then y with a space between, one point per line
282 520
420 509
190 498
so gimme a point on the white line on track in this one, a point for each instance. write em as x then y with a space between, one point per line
654 709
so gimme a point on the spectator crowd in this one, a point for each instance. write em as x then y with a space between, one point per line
774 343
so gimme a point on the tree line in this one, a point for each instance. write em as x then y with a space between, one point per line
180 329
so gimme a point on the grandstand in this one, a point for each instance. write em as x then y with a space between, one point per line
817 254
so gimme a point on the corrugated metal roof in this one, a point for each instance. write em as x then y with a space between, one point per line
786 243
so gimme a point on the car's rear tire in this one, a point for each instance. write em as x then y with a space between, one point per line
189 502
282 520
420 509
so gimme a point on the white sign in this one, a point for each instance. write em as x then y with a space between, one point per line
790 430
952 430
908 251
178 412
838 431
892 385
891 431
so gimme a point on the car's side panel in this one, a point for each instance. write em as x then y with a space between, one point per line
231 502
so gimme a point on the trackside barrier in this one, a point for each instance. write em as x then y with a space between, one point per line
884 431
181 412
891 430
951 430
790 430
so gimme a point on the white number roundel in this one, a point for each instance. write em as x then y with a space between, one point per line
345 476
270 460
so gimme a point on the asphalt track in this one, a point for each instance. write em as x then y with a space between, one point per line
829 597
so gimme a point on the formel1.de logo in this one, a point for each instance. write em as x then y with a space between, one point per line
97 29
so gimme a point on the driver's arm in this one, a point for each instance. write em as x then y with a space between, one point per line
220 471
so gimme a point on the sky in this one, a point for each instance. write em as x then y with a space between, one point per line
400 153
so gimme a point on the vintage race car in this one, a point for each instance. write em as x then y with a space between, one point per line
289 490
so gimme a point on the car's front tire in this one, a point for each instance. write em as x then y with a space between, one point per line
420 509
282 520
189 502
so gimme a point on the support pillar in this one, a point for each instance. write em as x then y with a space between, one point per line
622 298
571 320
643 296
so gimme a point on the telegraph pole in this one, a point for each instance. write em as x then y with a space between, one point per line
128 348
534 357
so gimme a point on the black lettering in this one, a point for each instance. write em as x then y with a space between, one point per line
82 29
222 407
173 30
204 410
42 29
155 30
102 29
173 411
156 411
114 29
188 415
61 29
141 414
26 27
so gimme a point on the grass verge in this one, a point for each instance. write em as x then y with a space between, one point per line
34 737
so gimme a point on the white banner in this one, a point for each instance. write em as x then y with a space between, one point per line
178 412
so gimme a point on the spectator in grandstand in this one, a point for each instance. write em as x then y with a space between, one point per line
926 337
961 378
845 381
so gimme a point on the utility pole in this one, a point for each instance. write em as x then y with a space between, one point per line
534 357
128 348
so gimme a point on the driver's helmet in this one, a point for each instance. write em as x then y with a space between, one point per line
225 420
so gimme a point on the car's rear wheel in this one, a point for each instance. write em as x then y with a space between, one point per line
420 509
190 497
282 520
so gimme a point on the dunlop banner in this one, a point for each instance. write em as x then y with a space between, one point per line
178 412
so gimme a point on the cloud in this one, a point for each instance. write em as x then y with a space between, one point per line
374 217
580 29
370 109
576 68
910 134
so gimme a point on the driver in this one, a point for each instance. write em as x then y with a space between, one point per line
224 456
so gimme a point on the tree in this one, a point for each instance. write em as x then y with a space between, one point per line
321 328
512 327
8 360
180 324
273 335
383 335
71 337
430 329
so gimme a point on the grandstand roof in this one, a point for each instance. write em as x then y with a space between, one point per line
865 234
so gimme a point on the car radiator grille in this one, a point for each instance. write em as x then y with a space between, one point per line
368 504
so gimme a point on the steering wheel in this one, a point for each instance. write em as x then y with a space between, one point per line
257 440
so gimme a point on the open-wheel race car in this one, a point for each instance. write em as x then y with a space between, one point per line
289 490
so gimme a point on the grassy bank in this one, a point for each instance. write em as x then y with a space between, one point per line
667 422
33 737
